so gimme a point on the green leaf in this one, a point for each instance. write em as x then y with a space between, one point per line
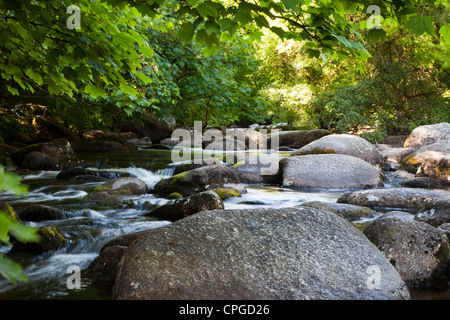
192 2
186 32
11 182
35 76
5 221
445 32
11 270
23 233
374 35
207 8
292 4
94 91
147 51
129 90
212 27
144 78
228 25
14 91
420 24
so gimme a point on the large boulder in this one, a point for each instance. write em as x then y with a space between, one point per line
428 134
431 160
329 171
288 254
114 191
418 251
435 213
181 208
296 138
343 144
198 180
42 156
400 198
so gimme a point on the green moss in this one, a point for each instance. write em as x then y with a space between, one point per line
238 164
226 193
175 195
315 151
176 178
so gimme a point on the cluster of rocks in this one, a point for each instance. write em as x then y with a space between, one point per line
312 251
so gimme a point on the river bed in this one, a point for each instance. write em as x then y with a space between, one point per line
89 227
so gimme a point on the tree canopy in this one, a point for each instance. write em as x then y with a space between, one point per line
110 49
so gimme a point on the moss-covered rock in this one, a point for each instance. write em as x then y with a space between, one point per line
9 210
175 195
197 180
113 192
50 239
226 193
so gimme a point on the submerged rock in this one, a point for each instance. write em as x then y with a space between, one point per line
289 254
347 144
329 171
401 198
418 251
39 212
181 208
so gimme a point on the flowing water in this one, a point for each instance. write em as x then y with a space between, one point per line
89 227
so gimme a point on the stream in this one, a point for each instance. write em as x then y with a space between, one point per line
89 227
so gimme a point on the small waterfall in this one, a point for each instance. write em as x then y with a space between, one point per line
165 173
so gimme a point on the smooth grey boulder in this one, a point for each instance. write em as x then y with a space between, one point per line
347 144
428 134
288 253
419 252
329 171
181 208
397 198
